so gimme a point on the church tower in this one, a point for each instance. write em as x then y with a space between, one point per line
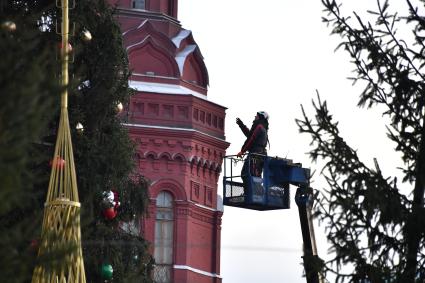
180 141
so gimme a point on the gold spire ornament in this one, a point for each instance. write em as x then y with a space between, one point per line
61 231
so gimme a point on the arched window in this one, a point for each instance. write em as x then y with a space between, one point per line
138 4
164 226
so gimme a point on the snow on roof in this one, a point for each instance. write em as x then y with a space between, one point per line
181 56
137 43
179 37
164 88
139 26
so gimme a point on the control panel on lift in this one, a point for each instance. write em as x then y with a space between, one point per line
265 185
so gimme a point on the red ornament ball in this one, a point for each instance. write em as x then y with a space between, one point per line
34 245
109 213
69 46
57 162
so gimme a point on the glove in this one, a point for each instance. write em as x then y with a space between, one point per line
240 153
239 122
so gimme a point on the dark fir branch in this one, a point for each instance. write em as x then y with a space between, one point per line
370 225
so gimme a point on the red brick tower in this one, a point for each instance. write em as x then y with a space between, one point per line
180 141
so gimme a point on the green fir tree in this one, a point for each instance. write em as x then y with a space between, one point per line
27 97
372 226
103 150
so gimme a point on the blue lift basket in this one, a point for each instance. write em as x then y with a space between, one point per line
266 192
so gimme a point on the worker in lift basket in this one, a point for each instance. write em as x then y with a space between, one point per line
256 142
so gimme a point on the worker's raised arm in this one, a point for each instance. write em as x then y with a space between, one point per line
244 128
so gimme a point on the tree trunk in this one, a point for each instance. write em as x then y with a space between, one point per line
412 230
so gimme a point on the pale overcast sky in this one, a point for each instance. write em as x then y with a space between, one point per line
272 55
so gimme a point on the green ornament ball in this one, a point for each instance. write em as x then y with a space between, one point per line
107 271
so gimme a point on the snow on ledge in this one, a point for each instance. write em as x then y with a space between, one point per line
164 88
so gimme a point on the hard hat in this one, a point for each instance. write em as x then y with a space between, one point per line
264 114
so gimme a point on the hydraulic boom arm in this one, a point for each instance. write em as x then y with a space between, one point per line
304 200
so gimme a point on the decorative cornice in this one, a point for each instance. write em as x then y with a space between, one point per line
180 133
193 210
213 165
188 208
188 212
201 206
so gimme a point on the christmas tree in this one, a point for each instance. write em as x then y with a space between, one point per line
27 98
112 195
